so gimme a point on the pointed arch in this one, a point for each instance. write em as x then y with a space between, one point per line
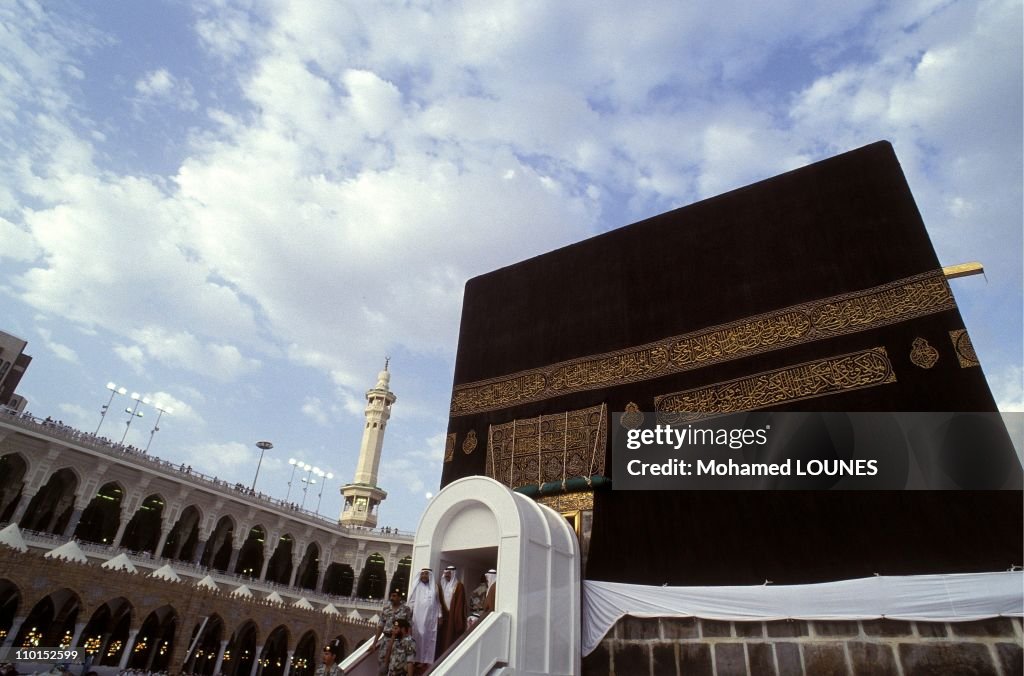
14 467
154 642
339 580
106 632
218 548
400 580
51 622
241 650
207 637
280 568
250 557
10 602
51 507
373 578
304 659
183 537
143 530
309 567
102 517
274 657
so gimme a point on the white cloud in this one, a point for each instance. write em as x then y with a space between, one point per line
434 453
313 408
161 87
402 472
375 104
133 355
18 244
59 350
155 83
175 408
221 362
226 461
76 416
1008 389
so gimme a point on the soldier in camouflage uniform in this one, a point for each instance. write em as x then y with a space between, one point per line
402 650
330 666
393 610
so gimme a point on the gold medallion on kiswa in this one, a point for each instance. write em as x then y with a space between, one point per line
836 316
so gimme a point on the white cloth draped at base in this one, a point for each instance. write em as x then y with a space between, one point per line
933 598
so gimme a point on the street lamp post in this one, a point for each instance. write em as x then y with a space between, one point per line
156 427
295 465
114 389
308 480
133 413
264 446
325 476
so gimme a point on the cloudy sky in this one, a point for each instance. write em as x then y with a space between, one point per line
239 208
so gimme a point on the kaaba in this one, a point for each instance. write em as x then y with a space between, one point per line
825 269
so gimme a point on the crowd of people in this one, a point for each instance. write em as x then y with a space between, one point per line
411 636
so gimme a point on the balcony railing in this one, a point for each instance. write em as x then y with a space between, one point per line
184 473
193 570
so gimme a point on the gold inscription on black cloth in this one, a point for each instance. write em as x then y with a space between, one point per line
840 315
803 381
965 353
449 447
548 448
566 502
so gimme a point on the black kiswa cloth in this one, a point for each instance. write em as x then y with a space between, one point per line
842 233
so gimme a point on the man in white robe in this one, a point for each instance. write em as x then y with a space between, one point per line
426 611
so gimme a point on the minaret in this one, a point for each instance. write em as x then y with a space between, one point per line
363 496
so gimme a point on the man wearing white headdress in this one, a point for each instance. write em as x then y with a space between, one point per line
424 600
453 610
491 576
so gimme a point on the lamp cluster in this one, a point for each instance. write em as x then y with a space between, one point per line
308 480
132 411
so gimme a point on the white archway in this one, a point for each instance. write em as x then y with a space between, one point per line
477 520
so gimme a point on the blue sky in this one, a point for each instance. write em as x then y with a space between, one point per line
239 208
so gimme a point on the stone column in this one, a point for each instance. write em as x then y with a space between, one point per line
178 543
288 663
76 516
295 572
320 579
13 633
120 531
164 532
256 660
266 565
128 646
58 509
390 566
79 628
233 562
19 513
200 548
220 657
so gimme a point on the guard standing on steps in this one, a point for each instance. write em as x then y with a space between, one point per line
330 666
393 610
